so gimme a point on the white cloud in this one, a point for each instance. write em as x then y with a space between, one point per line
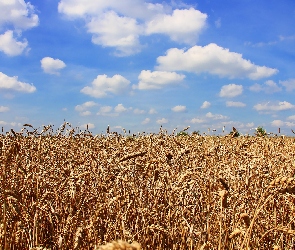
3 123
105 109
250 125
104 85
12 83
10 124
112 30
85 106
152 111
85 113
205 105
197 120
246 127
235 104
3 109
115 24
289 84
231 90
52 66
138 111
292 117
146 121
179 108
89 125
84 8
157 79
162 121
280 123
290 124
18 13
274 106
212 59
269 87
183 26
10 46
120 108
277 123
216 116
81 8
256 87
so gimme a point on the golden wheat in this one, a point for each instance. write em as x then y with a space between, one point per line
77 191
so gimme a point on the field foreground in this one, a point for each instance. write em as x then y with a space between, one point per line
164 192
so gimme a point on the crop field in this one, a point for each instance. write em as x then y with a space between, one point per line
156 191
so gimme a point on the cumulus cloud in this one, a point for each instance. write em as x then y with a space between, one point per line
197 120
146 121
291 117
212 59
112 30
157 79
152 111
85 113
12 83
235 104
84 8
179 108
104 85
85 106
290 124
231 90
162 121
87 125
10 124
205 105
274 106
19 14
10 46
216 116
289 84
183 26
256 87
3 109
120 108
277 123
115 24
106 111
268 87
239 125
112 111
280 123
138 111
52 66
250 125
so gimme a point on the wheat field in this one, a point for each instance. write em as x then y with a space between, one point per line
156 191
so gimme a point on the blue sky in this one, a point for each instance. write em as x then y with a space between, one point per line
138 64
